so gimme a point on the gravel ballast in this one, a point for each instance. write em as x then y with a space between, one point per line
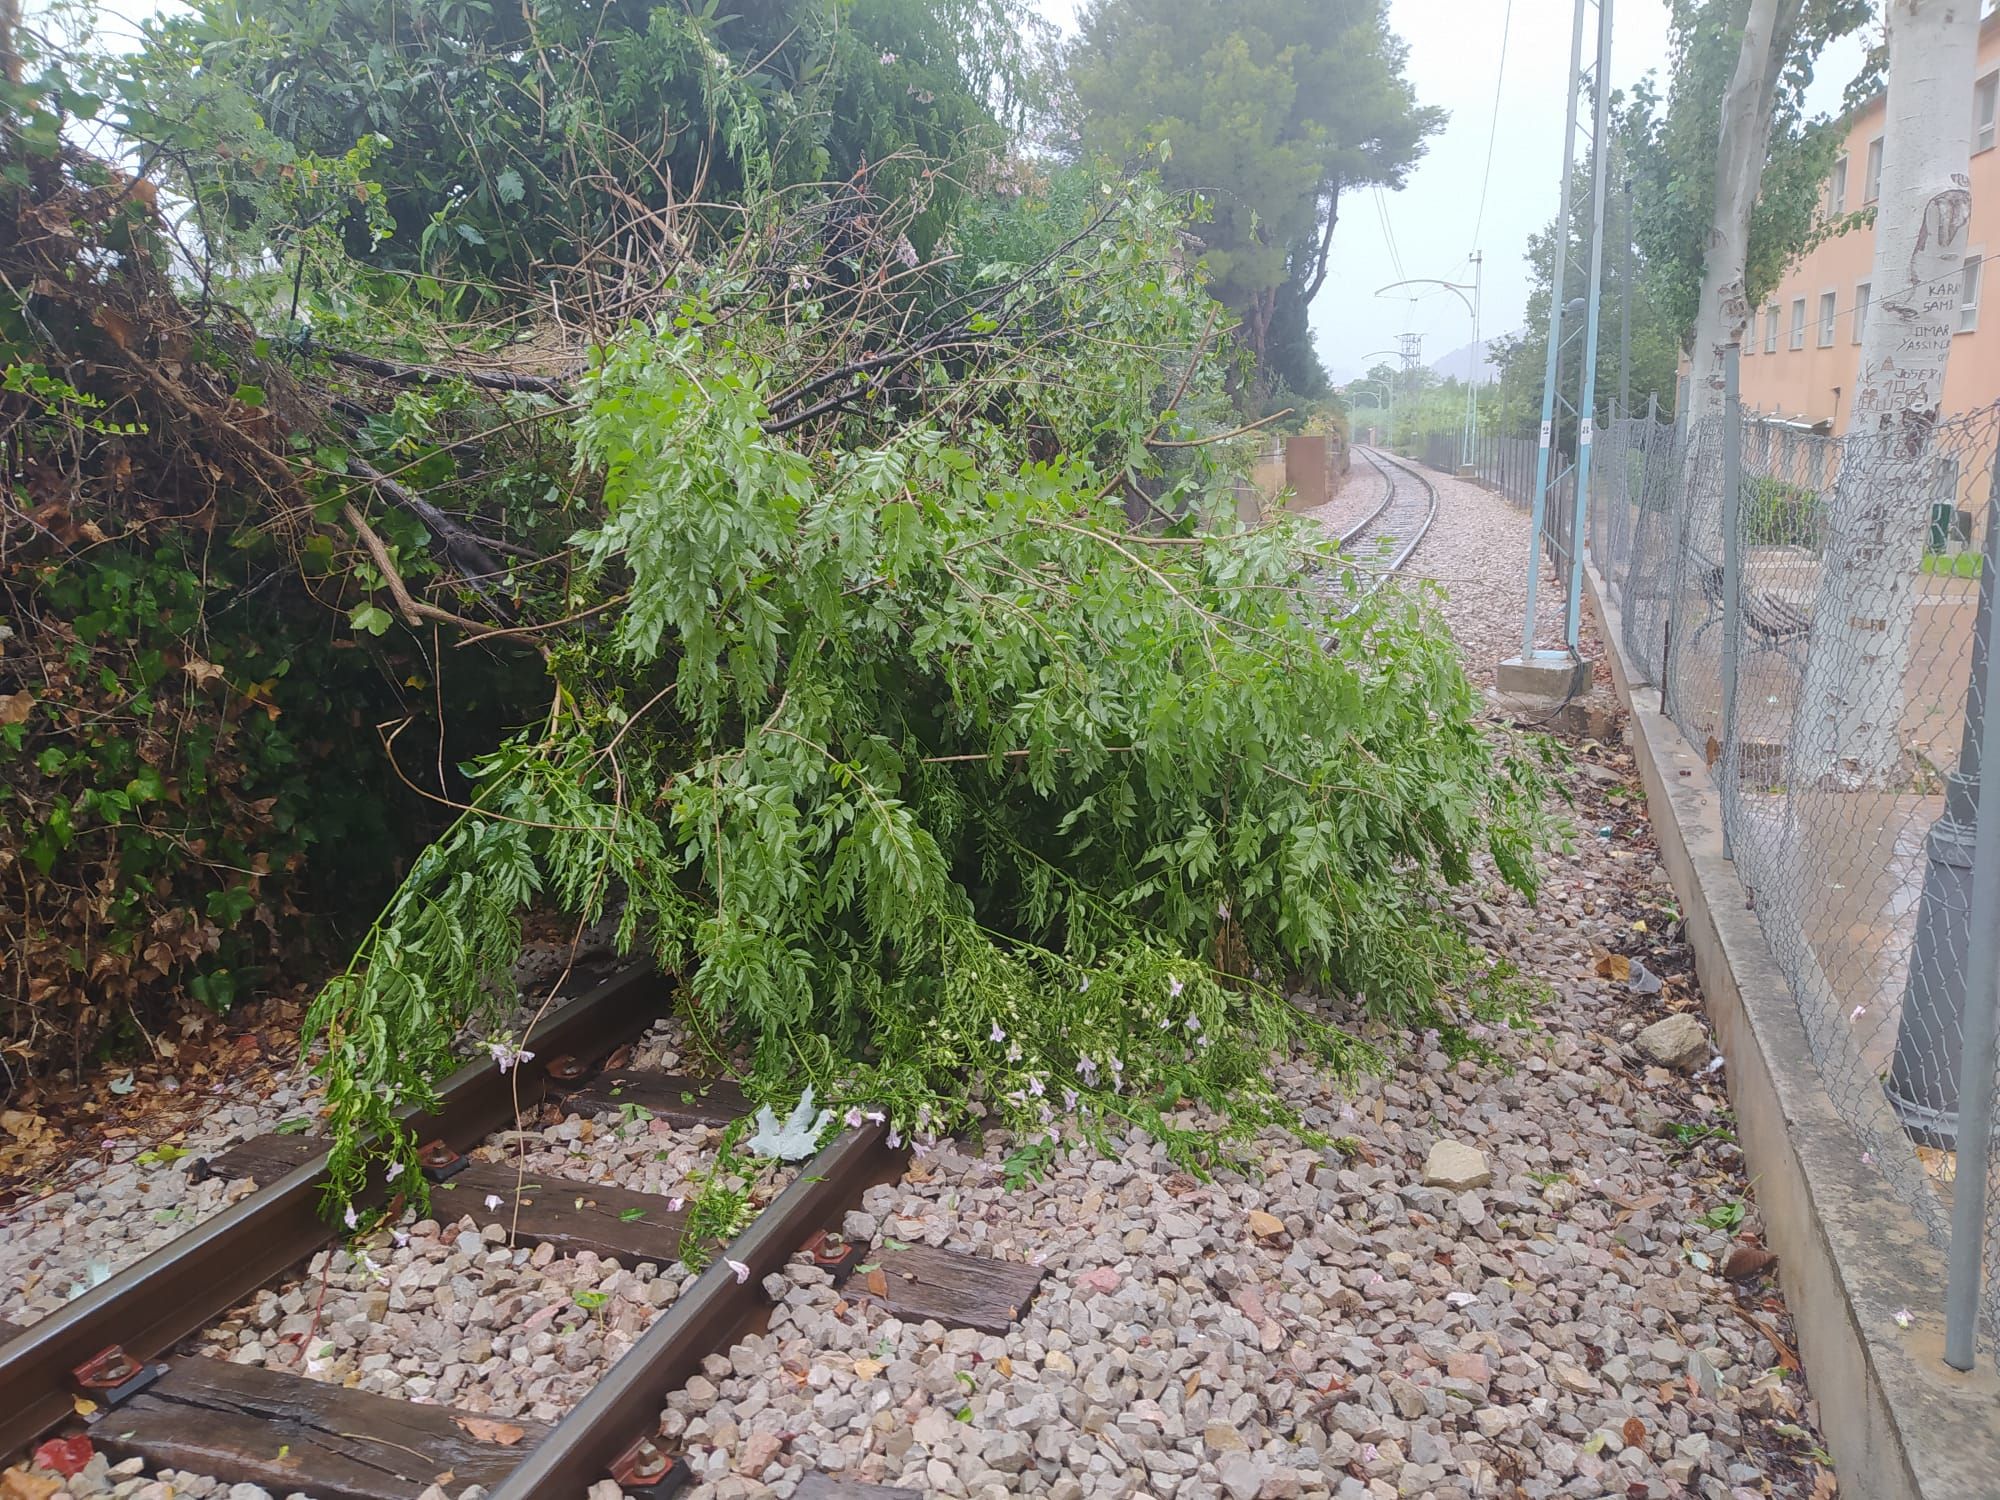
1508 1282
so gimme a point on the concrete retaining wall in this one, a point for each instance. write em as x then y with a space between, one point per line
1899 1423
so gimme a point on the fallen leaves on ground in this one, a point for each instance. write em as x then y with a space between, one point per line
487 1430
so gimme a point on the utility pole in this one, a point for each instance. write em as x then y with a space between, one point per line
1477 365
1458 289
1561 674
1625 312
1410 345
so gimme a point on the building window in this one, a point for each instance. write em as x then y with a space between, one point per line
1968 298
1861 290
1771 329
1798 322
1836 188
1985 109
1827 305
1871 189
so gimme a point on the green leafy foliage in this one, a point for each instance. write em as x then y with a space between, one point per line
1672 144
949 793
483 143
1269 110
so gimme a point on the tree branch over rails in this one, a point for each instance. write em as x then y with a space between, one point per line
491 380
412 609
1220 437
454 545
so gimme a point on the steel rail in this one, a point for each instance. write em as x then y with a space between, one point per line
623 1408
1390 476
185 1285
1388 498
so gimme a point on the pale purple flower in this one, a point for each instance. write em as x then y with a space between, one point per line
351 1218
400 1236
1086 1069
1013 1052
1174 986
1368 1452
1868 1158
853 1118
742 1271
1035 1086
999 1035
494 1200
1069 1098
1165 1023
1114 1064
1857 1013
1047 1114
1222 910
1193 1022
508 1056
675 1204
921 1149
888 59
895 1138
1902 1316
875 1117
395 1171
1055 1135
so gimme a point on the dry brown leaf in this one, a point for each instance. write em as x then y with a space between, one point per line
1744 1261
1825 1486
19 1484
486 1430
878 1283
1634 1433
203 672
15 707
1614 966
1004 1365
867 1369
1193 1385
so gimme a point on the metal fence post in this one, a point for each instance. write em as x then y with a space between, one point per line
1732 584
1923 1076
1975 1074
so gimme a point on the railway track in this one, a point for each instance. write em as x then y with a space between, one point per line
1392 531
120 1369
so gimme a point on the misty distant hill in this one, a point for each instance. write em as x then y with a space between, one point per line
1454 363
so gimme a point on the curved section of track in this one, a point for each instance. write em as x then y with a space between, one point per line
1393 530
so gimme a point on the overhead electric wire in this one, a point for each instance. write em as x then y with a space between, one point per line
1493 129
1388 233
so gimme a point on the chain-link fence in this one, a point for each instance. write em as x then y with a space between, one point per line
1506 464
1817 627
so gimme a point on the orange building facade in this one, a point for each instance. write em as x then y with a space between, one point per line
1803 349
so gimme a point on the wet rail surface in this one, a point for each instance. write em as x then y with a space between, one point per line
122 1365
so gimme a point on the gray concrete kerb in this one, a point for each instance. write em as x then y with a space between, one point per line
1899 1423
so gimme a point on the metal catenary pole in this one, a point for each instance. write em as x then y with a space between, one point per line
1586 406
1625 310
1732 582
1975 1077
1923 1075
1549 366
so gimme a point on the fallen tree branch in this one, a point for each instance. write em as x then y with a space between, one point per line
454 544
412 609
491 380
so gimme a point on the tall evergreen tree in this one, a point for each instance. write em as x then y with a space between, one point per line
1270 111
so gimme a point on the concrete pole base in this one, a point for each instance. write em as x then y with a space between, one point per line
1546 677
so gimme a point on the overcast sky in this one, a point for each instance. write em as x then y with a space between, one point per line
1456 61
